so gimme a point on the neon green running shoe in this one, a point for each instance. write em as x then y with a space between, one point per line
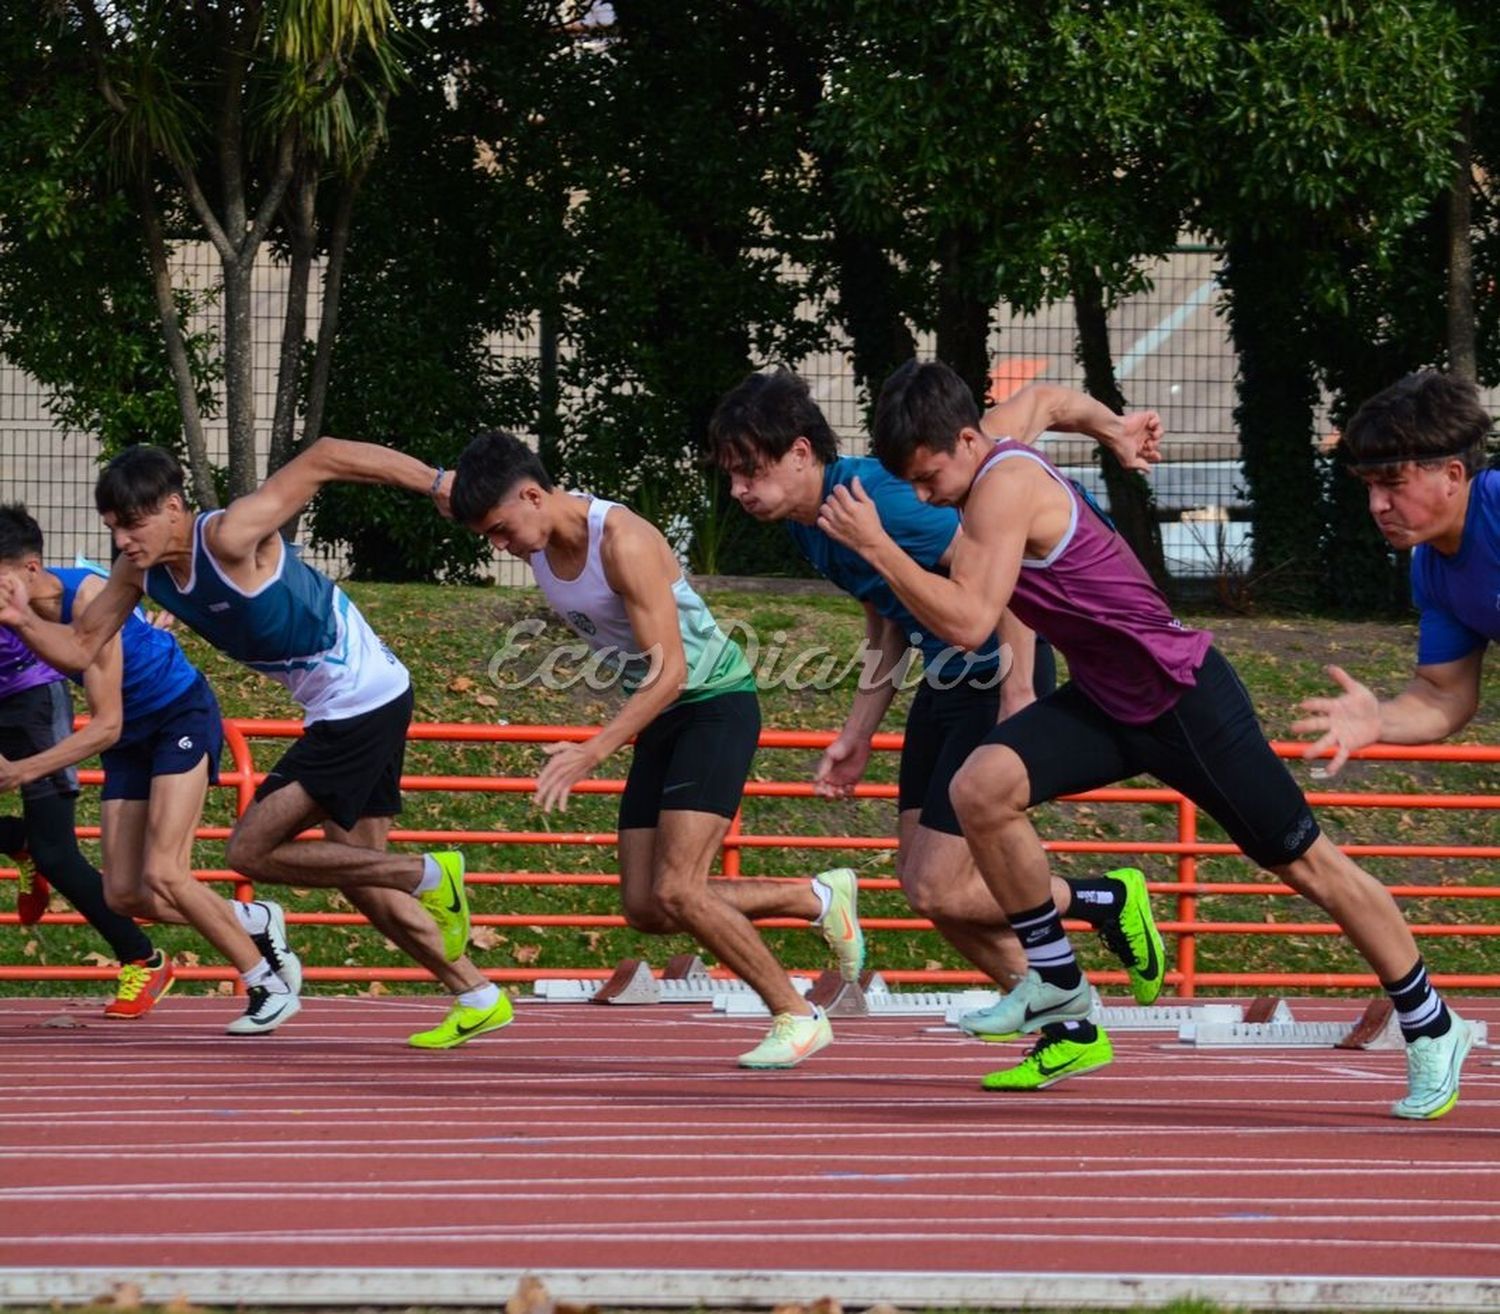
463 1024
1134 939
449 904
1432 1068
1055 1057
840 924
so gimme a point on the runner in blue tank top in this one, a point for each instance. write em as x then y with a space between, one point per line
782 459
231 577
1419 447
1146 695
155 724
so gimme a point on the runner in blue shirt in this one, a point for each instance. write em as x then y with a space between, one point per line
1419 447
155 724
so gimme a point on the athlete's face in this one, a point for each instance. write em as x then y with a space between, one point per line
943 478
774 490
149 537
517 523
1414 504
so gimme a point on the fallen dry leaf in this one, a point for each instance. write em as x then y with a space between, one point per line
527 953
530 1297
484 937
460 684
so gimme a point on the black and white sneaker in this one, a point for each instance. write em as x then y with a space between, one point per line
265 1011
272 943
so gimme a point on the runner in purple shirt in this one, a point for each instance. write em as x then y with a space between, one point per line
1146 695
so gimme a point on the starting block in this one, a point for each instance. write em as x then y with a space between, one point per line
631 983
837 997
1270 1022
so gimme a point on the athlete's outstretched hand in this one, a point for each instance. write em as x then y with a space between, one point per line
841 768
1139 445
567 765
1346 723
848 516
10 775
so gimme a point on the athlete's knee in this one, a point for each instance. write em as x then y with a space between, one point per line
680 898
988 788
926 891
53 850
644 912
247 852
133 902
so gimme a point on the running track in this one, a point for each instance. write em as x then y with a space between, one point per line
619 1154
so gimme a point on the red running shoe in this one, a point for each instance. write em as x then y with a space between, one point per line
32 890
141 985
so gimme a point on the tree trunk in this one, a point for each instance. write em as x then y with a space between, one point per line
965 301
1462 357
239 374
1277 394
200 470
301 228
870 311
1130 501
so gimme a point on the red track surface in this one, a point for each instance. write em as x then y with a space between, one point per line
625 1139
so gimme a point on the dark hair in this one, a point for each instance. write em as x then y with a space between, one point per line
759 420
491 465
20 535
1425 418
136 482
921 405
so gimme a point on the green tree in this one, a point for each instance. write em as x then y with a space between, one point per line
294 89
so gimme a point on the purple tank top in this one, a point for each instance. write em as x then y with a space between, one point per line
1094 602
20 668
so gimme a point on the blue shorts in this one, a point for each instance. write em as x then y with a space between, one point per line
167 742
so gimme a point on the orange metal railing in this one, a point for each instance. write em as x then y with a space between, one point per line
1185 848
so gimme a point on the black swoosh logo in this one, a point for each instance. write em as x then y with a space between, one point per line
458 904
262 1021
1030 1015
467 1031
1052 1072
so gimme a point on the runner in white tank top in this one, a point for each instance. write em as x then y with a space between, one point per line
692 712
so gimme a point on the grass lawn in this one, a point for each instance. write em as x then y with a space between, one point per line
447 636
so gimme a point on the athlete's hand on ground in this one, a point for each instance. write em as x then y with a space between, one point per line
840 768
1346 723
442 493
568 764
1139 445
848 516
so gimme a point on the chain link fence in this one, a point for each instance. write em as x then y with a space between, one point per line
1171 351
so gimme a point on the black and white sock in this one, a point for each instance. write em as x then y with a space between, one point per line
1419 1008
1048 952
1097 901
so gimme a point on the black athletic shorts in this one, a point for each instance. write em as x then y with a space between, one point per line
351 768
693 758
1209 746
945 723
33 720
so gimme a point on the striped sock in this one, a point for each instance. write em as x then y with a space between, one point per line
1048 952
1419 1008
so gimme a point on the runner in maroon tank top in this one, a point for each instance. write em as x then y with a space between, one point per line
1146 695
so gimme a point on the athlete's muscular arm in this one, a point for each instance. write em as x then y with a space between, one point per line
250 520
102 687
1135 439
843 761
74 647
640 567
1439 701
964 608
